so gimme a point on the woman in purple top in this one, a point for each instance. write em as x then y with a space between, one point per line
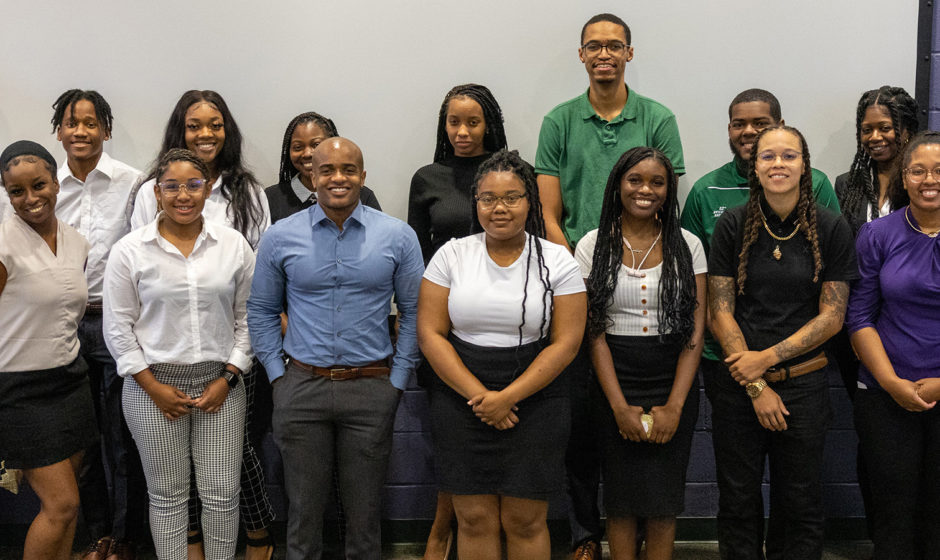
894 321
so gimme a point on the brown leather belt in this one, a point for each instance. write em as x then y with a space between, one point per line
378 368
816 363
94 309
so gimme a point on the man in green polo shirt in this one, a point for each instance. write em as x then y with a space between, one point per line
750 112
579 144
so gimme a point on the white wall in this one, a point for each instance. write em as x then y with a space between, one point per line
379 69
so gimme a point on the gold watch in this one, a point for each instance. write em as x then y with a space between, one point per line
755 388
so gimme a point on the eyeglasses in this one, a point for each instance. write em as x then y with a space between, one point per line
192 186
787 157
511 200
917 175
614 48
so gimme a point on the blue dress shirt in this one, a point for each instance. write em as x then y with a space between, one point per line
338 286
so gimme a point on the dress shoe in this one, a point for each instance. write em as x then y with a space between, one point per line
122 550
97 550
588 550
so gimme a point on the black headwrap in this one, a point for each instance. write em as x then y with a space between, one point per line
25 148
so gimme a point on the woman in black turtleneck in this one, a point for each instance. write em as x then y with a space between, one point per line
440 207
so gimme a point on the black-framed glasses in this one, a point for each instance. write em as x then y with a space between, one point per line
510 200
917 175
173 188
613 48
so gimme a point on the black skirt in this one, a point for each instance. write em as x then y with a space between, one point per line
46 416
526 461
645 479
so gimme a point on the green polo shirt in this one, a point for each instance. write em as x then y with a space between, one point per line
580 148
726 188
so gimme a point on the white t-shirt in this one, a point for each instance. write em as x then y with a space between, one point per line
635 302
485 300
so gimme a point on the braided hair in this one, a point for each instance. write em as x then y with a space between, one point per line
494 138
677 297
510 161
287 170
73 96
805 208
239 186
862 186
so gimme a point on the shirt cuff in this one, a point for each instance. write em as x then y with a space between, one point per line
239 359
398 377
131 363
274 368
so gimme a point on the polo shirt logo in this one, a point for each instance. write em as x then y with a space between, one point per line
717 213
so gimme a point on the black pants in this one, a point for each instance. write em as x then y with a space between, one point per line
795 527
902 452
111 482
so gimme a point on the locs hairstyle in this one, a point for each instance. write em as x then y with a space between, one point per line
610 18
287 170
805 208
511 162
862 185
677 301
494 138
73 96
239 186
180 154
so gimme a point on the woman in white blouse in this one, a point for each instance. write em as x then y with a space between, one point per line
46 414
174 320
501 313
646 323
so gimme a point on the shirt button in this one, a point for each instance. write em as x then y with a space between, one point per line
643 301
340 261
643 287
645 312
645 329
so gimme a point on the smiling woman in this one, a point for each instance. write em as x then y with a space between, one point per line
46 414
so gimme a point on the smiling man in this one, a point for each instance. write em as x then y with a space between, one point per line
579 143
337 265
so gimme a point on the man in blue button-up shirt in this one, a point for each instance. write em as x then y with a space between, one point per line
336 265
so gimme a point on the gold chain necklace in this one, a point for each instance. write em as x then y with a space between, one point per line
915 228
776 253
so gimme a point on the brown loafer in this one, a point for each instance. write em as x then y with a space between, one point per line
588 550
97 550
122 550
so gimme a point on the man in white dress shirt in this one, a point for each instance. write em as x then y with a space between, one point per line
92 198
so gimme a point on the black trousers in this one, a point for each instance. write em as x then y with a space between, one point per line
796 523
902 452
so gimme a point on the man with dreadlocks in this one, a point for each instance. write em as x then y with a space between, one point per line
579 143
336 397
93 194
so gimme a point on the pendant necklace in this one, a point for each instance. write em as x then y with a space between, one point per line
776 253
634 270
915 228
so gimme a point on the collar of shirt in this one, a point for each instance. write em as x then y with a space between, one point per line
300 190
318 217
774 221
627 113
151 234
105 166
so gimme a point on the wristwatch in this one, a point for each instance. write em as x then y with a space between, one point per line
755 388
231 377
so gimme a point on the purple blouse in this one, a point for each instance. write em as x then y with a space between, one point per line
898 293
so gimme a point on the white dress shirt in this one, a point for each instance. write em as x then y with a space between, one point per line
162 307
96 209
215 211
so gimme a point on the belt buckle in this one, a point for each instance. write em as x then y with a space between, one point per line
336 371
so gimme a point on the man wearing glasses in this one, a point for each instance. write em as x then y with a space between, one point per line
579 143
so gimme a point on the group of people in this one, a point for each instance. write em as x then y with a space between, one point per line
157 324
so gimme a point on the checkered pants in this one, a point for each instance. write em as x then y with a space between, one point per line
256 509
210 442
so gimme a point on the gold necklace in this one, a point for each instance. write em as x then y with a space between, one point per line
776 253
915 228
